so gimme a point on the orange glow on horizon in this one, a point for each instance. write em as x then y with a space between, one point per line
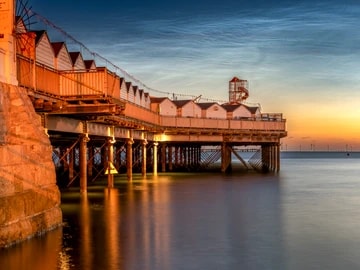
323 131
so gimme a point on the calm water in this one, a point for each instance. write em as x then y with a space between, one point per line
306 217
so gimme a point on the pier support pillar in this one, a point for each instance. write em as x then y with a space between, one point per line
163 157
110 146
129 158
155 148
176 156
188 157
274 158
271 158
191 156
182 156
198 156
186 161
277 157
170 158
265 158
90 162
83 162
225 157
143 156
71 164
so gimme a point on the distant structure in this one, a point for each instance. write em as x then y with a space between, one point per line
238 90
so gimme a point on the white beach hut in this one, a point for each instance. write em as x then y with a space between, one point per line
44 51
212 110
163 106
130 92
62 60
187 108
77 61
236 111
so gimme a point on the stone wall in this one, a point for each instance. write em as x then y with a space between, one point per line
29 197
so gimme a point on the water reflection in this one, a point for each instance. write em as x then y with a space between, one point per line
36 253
146 211
166 222
96 224
85 232
298 219
112 237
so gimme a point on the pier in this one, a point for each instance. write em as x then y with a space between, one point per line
100 123
65 121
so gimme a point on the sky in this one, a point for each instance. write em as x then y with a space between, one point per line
301 58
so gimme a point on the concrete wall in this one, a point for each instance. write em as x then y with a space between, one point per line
29 196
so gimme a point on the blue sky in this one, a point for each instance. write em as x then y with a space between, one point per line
301 58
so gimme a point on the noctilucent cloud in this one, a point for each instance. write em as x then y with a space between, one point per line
301 58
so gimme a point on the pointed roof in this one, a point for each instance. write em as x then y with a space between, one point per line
57 47
39 34
157 99
181 103
135 88
230 107
252 109
89 63
235 79
74 56
128 85
206 105
20 25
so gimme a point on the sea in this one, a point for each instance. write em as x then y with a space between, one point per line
306 217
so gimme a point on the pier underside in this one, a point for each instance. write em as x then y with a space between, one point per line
82 158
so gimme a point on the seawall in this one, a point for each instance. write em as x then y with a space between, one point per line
29 196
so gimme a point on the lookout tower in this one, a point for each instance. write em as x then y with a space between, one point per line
238 90
7 43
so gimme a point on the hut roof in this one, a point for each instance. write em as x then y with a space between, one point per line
252 109
135 88
39 34
230 107
89 63
74 56
57 47
181 103
20 25
206 105
157 99
128 85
